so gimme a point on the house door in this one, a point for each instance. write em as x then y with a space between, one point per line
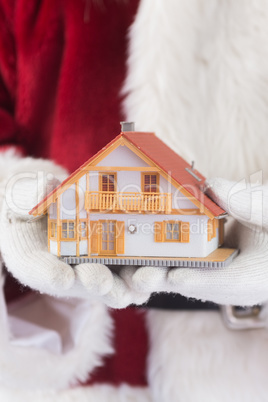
108 237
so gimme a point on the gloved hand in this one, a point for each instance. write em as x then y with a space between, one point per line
245 281
23 243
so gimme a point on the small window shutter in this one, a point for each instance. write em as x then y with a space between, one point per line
120 237
94 236
158 231
209 229
185 232
213 224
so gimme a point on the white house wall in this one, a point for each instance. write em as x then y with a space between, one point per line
52 211
67 248
179 201
122 156
142 242
82 191
93 181
83 247
68 204
129 181
213 243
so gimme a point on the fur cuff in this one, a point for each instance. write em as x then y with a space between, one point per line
50 344
99 393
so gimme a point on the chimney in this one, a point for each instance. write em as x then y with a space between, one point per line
127 126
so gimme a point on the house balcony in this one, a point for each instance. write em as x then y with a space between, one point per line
128 202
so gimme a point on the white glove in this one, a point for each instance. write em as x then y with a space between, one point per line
23 243
245 281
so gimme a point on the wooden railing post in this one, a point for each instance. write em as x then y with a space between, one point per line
140 202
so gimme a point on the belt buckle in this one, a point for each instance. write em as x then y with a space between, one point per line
243 318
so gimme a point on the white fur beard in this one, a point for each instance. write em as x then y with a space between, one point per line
198 77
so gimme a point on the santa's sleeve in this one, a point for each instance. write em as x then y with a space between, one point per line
8 84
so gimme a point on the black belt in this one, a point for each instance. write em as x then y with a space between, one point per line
174 301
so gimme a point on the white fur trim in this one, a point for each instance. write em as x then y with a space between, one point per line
12 163
194 357
198 77
26 366
96 393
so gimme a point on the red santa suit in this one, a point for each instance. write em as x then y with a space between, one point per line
63 66
62 69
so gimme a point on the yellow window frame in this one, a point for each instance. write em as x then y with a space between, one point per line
160 232
52 229
67 222
212 226
143 181
101 175
172 231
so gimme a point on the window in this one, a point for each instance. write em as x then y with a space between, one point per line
83 230
150 182
172 231
53 230
68 230
108 182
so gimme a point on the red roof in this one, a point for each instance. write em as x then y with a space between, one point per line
174 165
166 159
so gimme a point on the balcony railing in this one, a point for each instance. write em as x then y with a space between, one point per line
128 202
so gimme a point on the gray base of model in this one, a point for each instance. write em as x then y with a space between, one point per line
151 262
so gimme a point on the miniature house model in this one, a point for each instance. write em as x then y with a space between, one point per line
135 202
